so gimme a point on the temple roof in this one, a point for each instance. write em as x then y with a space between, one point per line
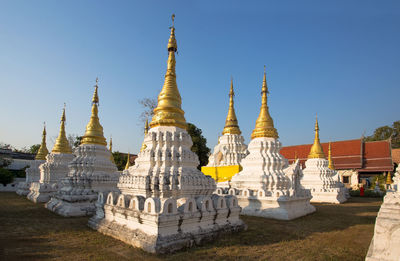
396 155
349 154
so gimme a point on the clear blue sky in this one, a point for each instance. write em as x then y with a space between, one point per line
338 58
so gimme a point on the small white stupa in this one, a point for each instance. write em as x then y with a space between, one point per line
166 203
90 172
386 240
266 186
319 177
33 172
225 160
54 169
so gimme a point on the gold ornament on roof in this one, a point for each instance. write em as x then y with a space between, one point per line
146 130
264 124
316 151
110 149
94 130
331 165
231 122
43 151
128 162
168 111
389 178
62 144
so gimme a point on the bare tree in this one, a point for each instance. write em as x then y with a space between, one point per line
148 104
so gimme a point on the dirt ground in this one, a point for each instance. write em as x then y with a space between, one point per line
28 231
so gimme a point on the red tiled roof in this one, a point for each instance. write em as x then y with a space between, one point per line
372 156
396 155
346 154
377 156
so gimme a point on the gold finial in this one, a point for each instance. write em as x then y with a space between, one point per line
389 178
316 151
331 165
146 130
264 124
295 156
62 144
128 163
231 122
110 149
168 111
173 19
94 130
43 151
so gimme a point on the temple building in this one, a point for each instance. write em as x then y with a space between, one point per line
356 161
319 175
33 172
225 160
54 169
267 186
166 203
90 172
386 240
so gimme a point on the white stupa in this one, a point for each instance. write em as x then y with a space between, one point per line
90 172
166 203
386 240
33 172
54 169
266 186
225 160
319 177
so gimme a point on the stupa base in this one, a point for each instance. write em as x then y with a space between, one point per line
386 240
165 225
283 208
328 197
23 188
72 205
41 192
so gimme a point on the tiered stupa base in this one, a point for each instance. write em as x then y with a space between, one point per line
166 225
322 182
265 189
386 240
32 175
42 192
90 172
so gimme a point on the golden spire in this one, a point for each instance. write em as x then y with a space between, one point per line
331 165
43 151
316 151
231 122
94 130
168 111
128 163
146 130
264 124
389 178
110 149
62 145
295 156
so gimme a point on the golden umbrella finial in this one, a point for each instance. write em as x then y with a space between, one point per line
173 19
331 165
128 163
62 144
146 130
94 130
43 151
168 111
264 124
231 122
316 149
110 149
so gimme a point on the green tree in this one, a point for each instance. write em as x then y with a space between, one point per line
387 132
6 176
119 159
199 144
34 149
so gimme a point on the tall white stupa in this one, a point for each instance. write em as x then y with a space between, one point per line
33 172
166 203
386 240
319 176
266 186
90 172
54 169
225 160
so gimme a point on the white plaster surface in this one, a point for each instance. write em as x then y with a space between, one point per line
32 175
229 151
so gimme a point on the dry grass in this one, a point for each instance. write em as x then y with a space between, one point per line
335 232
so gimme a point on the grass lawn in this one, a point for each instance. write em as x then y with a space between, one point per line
28 231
